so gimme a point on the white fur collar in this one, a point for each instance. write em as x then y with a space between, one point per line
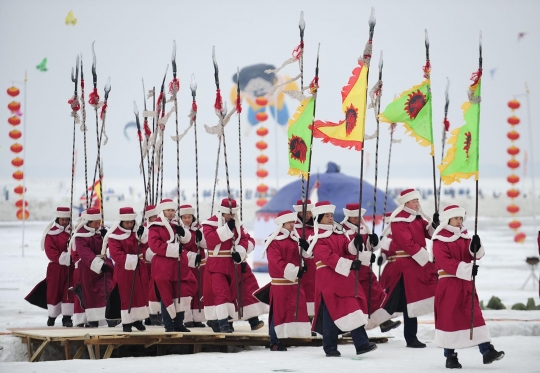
457 232
280 234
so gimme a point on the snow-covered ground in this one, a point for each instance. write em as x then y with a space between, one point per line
502 273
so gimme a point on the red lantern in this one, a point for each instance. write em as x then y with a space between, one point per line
16 148
261 101
261 145
13 91
513 209
14 106
18 175
17 162
15 134
19 203
513 120
19 189
261 202
262 159
261 188
512 163
20 214
520 237
513 179
512 193
514 104
14 120
261 116
262 131
513 135
513 150
262 173
514 224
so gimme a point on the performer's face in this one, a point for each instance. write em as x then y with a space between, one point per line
353 220
413 205
152 218
187 219
94 224
456 222
289 226
227 217
169 213
308 215
127 224
63 222
328 218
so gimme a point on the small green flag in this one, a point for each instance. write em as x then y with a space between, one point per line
413 109
299 138
461 160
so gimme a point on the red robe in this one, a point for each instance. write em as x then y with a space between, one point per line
220 298
165 264
192 249
79 316
283 264
251 306
451 249
59 271
411 262
96 285
154 305
308 279
124 249
335 282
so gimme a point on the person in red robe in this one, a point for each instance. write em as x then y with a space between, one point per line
339 307
79 316
95 269
173 278
308 279
379 316
130 272
454 250
60 269
412 278
284 268
196 253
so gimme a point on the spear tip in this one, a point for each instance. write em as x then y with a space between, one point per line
173 57
93 55
135 109
302 23
214 54
427 37
381 61
108 85
193 84
372 20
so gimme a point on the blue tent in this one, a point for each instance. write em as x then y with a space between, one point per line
335 187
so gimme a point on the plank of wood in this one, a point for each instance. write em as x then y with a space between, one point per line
153 342
108 351
91 352
67 350
29 347
197 348
39 351
98 351
79 352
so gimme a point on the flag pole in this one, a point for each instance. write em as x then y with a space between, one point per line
446 127
366 59
302 28
475 250
427 75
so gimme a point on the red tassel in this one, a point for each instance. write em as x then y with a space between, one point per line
427 69
140 135
94 97
75 105
174 85
82 83
218 105
298 51
446 124
238 105
194 106
314 85
103 110
147 131
476 77
158 105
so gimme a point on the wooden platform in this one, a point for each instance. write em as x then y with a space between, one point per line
92 339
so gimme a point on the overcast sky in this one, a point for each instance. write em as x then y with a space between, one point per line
134 41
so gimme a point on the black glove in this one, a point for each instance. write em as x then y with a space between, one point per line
198 236
243 267
303 244
436 222
140 231
355 265
231 224
359 242
380 260
474 270
236 256
180 231
104 268
103 232
300 272
372 259
373 240
475 243
180 249
198 259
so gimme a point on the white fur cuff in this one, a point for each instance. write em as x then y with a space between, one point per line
351 248
65 259
291 271
187 236
96 264
144 237
343 266
464 271
131 262
383 258
191 258
421 257
385 243
480 253
173 250
365 257
224 233
242 251
149 255
250 247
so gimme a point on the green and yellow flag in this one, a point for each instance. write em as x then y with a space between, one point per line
299 135
461 160
413 109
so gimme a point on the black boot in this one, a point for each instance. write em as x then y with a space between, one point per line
333 353
416 344
93 324
389 325
112 323
66 321
155 320
126 328
224 326
198 324
139 325
214 325
148 321
452 362
370 346
189 324
51 321
492 355
255 323
179 323
278 347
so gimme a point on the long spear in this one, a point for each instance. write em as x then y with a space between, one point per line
427 75
146 146
174 87
238 111
162 127
154 192
446 127
219 107
366 60
103 116
83 129
314 87
476 203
